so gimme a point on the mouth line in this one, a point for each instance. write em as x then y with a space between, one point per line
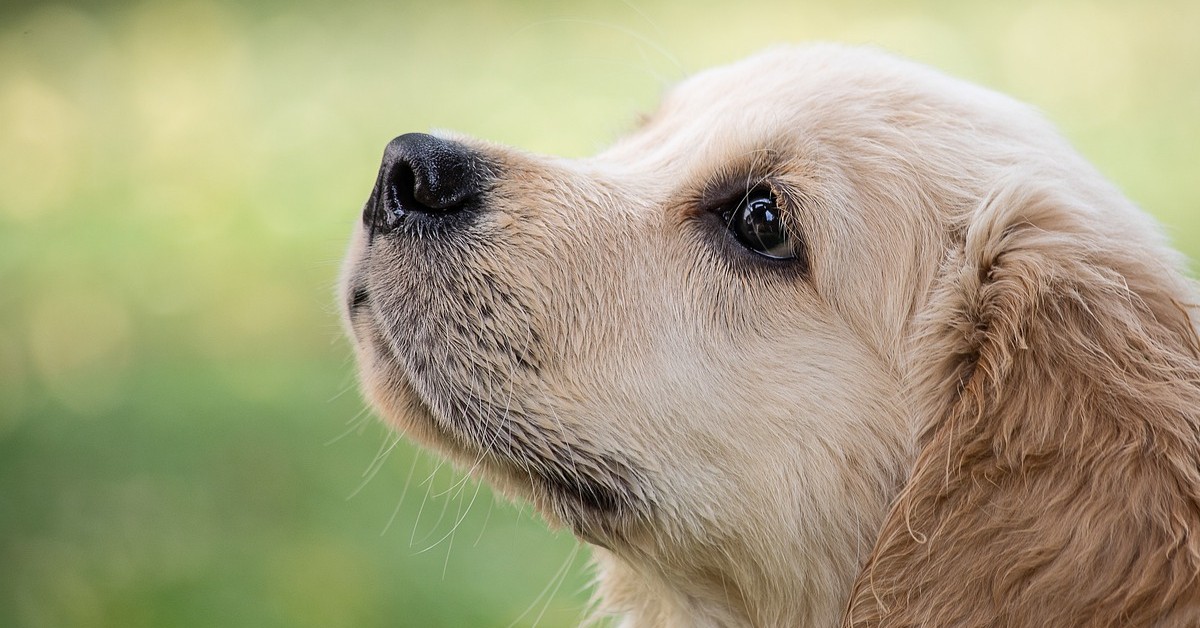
508 446
359 299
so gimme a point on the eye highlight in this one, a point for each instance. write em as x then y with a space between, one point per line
757 223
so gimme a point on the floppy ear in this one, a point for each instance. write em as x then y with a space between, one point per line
1058 475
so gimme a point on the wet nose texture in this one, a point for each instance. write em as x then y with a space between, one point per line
423 174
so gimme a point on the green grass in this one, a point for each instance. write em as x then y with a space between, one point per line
180 440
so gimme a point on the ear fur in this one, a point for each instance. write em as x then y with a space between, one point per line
1058 475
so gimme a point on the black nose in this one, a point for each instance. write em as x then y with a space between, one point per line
423 174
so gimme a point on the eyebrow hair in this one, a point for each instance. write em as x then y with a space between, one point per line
724 188
740 176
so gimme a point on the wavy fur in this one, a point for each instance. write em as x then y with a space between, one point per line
1058 480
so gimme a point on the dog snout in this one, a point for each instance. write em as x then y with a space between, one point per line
423 174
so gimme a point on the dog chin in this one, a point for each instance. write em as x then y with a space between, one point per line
595 503
590 509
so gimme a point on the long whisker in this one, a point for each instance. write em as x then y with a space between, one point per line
403 492
550 589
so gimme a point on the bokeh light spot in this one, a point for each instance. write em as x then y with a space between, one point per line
79 340
39 148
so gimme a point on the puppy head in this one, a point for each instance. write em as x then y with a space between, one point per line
658 336
693 349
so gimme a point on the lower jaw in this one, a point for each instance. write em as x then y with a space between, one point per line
558 501
587 508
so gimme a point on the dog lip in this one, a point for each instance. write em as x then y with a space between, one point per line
359 298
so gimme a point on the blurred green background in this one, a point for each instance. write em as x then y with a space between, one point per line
181 442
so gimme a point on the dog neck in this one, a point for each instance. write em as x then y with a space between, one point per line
775 592
742 579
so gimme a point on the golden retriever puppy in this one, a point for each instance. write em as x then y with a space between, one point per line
831 338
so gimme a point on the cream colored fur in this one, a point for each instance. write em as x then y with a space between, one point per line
985 382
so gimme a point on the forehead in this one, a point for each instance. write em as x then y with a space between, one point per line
755 104
796 94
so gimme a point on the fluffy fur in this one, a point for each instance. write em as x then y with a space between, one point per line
975 402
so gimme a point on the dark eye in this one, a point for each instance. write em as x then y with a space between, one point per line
758 224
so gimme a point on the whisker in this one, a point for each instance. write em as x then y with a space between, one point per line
550 589
376 465
403 492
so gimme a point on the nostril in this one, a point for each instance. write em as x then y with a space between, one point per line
427 175
399 187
